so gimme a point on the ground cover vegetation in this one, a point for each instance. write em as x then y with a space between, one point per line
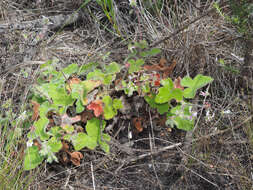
126 94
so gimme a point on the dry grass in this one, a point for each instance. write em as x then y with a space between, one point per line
223 160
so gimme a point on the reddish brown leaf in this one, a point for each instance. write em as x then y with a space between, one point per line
75 158
97 107
138 124
168 70
36 107
177 84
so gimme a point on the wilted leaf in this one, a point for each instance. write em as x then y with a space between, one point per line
97 107
36 107
75 158
137 121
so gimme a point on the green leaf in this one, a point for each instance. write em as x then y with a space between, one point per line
59 95
93 127
84 69
183 124
105 147
141 44
109 111
194 84
152 52
79 106
117 104
70 69
168 92
97 74
56 132
40 128
32 158
54 144
112 68
81 140
161 108
135 66
68 128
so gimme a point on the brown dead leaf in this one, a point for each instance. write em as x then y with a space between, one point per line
75 158
161 67
86 115
168 70
137 121
36 107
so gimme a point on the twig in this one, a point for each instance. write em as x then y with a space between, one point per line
153 153
92 175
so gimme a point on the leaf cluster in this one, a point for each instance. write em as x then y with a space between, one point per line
58 90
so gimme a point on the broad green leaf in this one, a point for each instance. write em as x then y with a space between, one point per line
183 124
32 158
135 66
56 132
194 84
97 74
70 69
151 52
54 144
79 106
93 127
84 69
60 96
105 147
81 140
117 104
40 128
161 108
90 85
112 68
109 111
77 91
168 92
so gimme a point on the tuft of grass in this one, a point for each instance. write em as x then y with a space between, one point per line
12 175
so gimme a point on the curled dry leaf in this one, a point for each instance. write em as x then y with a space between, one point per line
86 115
97 107
75 158
177 83
36 107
